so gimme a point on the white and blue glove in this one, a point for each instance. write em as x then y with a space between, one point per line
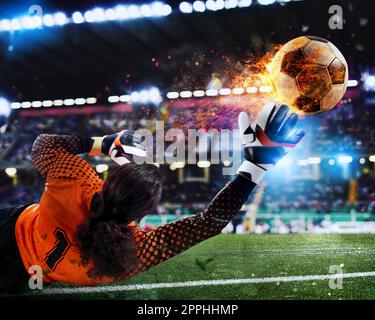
265 143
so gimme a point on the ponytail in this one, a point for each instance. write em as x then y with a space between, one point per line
107 244
105 238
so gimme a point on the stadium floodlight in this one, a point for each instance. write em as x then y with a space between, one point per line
225 91
160 9
204 164
198 93
172 95
314 160
186 7
99 15
144 96
5 24
352 83
167 10
230 4
11 172
113 99
4 107
220 4
102 167
79 101
251 89
110 14
60 18
154 95
211 5
369 82
77 17
372 158
302 162
266 2
284 162
15 105
27 22
146 10
91 100
331 162
121 12
58 102
48 20
212 92
36 104
135 96
134 12
37 21
345 159
89 16
69 102
199 6
47 103
125 98
186 94
244 3
238 91
26 104
264 89
15 24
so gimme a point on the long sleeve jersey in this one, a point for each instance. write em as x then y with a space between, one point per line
45 232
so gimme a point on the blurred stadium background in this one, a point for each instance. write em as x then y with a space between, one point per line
96 69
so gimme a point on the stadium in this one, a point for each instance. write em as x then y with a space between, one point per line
95 68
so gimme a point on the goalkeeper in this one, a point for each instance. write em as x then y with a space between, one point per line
83 232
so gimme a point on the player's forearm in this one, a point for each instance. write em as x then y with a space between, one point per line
228 202
48 143
181 235
47 148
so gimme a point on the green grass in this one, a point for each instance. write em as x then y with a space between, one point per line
258 256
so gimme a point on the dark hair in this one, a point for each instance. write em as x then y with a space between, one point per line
129 193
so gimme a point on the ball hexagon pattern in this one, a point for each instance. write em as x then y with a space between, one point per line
309 74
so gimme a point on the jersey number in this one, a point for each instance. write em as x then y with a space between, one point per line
58 252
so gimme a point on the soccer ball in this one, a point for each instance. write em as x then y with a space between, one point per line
309 74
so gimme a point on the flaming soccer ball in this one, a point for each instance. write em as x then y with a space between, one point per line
309 74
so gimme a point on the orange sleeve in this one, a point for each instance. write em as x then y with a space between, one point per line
55 156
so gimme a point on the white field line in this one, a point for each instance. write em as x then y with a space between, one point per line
200 283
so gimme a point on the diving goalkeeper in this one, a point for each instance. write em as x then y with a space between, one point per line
83 231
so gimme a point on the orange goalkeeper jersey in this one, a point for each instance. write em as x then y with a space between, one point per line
45 232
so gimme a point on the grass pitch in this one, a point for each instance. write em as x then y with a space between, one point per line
256 256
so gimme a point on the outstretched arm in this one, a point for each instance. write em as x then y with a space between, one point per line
263 145
163 243
54 155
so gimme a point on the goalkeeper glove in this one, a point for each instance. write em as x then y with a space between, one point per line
268 141
120 146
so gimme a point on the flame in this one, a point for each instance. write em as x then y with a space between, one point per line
256 76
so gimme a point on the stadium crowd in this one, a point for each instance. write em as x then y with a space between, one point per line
348 135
